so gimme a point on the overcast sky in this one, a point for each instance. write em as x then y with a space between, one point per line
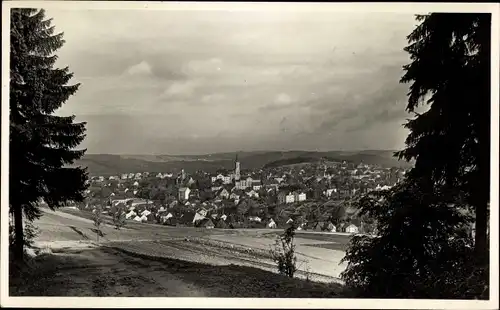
191 82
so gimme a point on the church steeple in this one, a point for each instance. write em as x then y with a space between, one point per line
237 169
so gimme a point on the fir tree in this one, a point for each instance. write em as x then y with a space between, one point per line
41 144
450 142
423 248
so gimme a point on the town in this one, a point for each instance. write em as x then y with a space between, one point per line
313 195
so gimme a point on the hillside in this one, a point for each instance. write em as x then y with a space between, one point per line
106 164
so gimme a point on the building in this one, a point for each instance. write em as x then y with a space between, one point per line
253 193
328 193
234 196
298 197
256 185
223 193
226 179
284 197
237 168
255 219
184 193
248 182
352 229
271 224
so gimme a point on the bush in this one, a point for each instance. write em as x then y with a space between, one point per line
284 252
98 220
422 251
119 218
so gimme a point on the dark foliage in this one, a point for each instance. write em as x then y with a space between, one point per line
424 247
41 144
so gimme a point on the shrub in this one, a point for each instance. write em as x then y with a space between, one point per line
284 252
98 220
119 218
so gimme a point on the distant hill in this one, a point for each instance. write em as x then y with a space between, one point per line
106 164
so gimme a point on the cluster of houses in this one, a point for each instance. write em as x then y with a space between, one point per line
144 212
288 185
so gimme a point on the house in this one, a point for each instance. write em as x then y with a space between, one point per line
202 211
165 217
124 176
223 194
234 196
256 185
328 193
224 178
191 181
253 193
299 196
330 227
184 193
352 229
130 214
318 226
171 222
255 219
136 183
206 223
284 197
197 218
271 224
244 183
145 213
223 217
221 224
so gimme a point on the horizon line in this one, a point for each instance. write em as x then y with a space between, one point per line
236 152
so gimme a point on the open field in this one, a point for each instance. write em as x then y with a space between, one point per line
155 260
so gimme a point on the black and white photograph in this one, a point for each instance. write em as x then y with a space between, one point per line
328 154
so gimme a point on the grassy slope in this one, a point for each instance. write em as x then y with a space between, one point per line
105 164
117 273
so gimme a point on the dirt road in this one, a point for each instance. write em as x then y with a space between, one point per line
149 260
109 272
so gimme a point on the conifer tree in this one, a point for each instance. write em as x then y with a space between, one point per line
423 249
41 143
450 142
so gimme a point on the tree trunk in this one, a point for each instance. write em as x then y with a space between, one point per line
19 234
481 238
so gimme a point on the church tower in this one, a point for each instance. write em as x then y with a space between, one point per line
237 169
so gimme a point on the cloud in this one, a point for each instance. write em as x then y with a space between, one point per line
180 89
142 68
283 99
213 98
258 79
